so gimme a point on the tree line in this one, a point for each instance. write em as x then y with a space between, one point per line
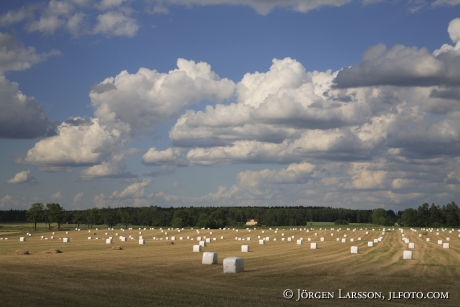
218 217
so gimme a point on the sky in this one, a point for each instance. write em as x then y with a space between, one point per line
339 103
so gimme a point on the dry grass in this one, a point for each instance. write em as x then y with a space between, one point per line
91 273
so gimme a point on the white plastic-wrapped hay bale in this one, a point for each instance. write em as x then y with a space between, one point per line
299 241
407 255
65 240
313 245
411 245
245 248
22 239
209 258
108 241
440 242
233 265
354 249
197 248
142 241
202 243
261 241
370 243
446 245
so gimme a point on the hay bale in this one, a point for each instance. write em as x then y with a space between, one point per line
22 239
209 258
245 248
141 241
233 265
355 250
370 243
65 240
407 255
314 245
53 251
411 245
446 245
22 252
197 248
108 241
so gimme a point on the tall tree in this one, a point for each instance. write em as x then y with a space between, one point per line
379 216
55 214
452 214
423 215
35 214
79 217
436 217
93 217
409 217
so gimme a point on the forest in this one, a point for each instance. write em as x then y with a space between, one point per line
425 215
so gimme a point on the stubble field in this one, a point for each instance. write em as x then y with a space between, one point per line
166 272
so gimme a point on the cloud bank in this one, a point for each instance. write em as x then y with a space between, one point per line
381 132
21 116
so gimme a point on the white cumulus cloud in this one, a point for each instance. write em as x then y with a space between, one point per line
78 142
136 189
148 98
116 23
22 177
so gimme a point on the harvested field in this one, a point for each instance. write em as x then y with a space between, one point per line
89 272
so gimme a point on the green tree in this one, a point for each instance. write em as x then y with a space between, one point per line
409 217
436 218
124 216
35 214
109 216
55 214
94 217
180 218
423 215
379 216
79 217
203 221
452 214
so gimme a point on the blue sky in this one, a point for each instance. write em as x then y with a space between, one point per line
239 102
